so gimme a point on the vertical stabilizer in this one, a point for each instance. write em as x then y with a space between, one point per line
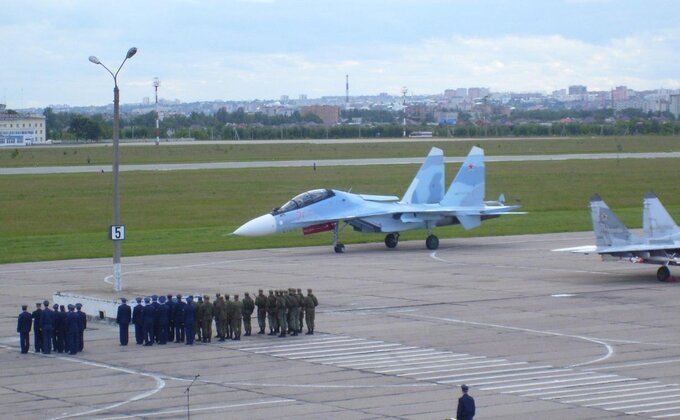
609 231
656 222
467 188
428 184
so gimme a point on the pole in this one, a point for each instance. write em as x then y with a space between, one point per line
187 392
117 272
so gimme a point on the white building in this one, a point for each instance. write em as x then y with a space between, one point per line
21 130
675 106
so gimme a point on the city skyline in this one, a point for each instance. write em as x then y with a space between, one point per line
265 49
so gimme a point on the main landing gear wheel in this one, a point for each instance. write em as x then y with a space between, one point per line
339 248
391 240
432 242
663 273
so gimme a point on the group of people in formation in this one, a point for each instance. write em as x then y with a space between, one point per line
53 329
163 319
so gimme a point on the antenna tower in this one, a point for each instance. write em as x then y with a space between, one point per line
156 83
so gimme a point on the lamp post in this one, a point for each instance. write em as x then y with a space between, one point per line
116 231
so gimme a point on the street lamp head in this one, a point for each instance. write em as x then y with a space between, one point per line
132 51
94 60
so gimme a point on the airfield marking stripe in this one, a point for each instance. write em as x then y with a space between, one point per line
623 408
526 378
529 371
349 358
626 365
339 350
446 364
396 355
468 365
667 415
596 381
655 410
365 350
607 389
609 397
471 376
458 370
339 347
306 340
383 362
318 353
554 382
268 349
655 398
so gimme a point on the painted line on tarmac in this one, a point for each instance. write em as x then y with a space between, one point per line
609 348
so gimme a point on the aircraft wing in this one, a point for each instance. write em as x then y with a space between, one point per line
590 249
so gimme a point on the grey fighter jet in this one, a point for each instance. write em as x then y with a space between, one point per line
425 205
659 244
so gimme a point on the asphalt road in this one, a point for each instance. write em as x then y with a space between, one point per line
534 333
323 162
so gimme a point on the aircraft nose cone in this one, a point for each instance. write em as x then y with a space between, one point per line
263 225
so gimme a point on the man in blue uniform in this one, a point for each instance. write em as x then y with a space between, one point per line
149 317
163 312
72 330
83 326
189 320
37 334
171 317
47 326
138 320
466 405
155 304
61 328
179 319
24 329
123 318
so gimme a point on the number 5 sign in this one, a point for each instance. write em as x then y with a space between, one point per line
117 232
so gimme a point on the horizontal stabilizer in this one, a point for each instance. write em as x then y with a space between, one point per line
587 249
470 221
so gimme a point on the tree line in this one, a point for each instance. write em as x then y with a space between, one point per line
374 124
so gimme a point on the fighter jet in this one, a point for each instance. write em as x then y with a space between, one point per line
660 243
425 205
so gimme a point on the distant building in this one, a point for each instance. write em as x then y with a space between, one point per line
21 130
674 106
329 114
620 94
578 90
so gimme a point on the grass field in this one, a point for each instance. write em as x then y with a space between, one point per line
169 153
45 217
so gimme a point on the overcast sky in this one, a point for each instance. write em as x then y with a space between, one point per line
248 49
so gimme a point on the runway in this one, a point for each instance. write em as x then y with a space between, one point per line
43 170
534 333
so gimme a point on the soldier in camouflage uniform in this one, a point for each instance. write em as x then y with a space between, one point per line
236 318
301 310
271 314
281 312
247 312
207 319
293 311
229 307
310 304
261 303
199 318
220 316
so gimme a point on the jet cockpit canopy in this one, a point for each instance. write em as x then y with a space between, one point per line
304 200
